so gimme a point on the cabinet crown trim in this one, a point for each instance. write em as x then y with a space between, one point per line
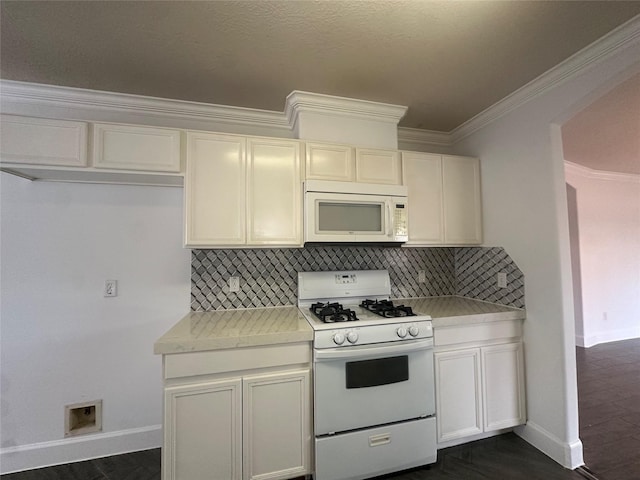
24 93
298 101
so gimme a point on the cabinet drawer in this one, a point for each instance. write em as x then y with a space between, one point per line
234 360
481 332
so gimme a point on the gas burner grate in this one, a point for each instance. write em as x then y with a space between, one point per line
386 308
333 312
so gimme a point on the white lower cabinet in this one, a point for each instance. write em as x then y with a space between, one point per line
503 386
478 390
458 394
251 423
276 425
203 431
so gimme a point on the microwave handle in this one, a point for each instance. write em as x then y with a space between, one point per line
388 218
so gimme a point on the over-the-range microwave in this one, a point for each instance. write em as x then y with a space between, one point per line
355 212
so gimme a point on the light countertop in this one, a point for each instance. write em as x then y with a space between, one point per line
199 331
450 311
221 329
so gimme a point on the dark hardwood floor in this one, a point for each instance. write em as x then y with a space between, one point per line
609 403
609 407
143 465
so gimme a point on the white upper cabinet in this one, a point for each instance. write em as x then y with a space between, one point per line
444 199
330 162
242 191
378 166
129 147
422 174
344 163
41 141
462 200
274 210
215 193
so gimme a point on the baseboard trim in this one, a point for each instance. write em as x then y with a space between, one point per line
473 438
608 336
56 452
569 455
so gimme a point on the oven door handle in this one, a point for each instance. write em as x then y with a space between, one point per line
361 351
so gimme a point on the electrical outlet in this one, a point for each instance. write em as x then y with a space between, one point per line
502 280
422 276
234 284
110 288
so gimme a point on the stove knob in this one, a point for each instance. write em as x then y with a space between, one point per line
338 338
413 331
352 337
402 332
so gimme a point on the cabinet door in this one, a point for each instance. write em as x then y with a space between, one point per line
503 386
329 162
274 207
462 200
378 166
202 431
129 147
422 174
277 425
40 141
458 394
215 183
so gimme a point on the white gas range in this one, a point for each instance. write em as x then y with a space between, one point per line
374 404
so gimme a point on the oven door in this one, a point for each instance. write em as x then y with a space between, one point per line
368 385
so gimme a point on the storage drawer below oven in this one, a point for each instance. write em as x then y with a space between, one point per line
376 451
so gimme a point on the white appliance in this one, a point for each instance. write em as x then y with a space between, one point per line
355 212
374 402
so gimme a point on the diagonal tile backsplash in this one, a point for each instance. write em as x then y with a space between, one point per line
476 276
268 277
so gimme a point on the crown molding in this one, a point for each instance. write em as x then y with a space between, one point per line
94 100
299 101
29 94
623 36
416 136
591 173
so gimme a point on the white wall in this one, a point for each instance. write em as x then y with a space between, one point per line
525 211
62 342
608 217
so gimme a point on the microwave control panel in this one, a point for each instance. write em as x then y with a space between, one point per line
400 220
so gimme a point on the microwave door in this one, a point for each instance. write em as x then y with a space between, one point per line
346 218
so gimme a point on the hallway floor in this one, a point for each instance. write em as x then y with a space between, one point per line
609 408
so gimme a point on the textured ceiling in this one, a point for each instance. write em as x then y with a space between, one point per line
606 134
446 60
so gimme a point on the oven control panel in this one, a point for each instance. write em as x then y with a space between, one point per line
365 335
345 278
